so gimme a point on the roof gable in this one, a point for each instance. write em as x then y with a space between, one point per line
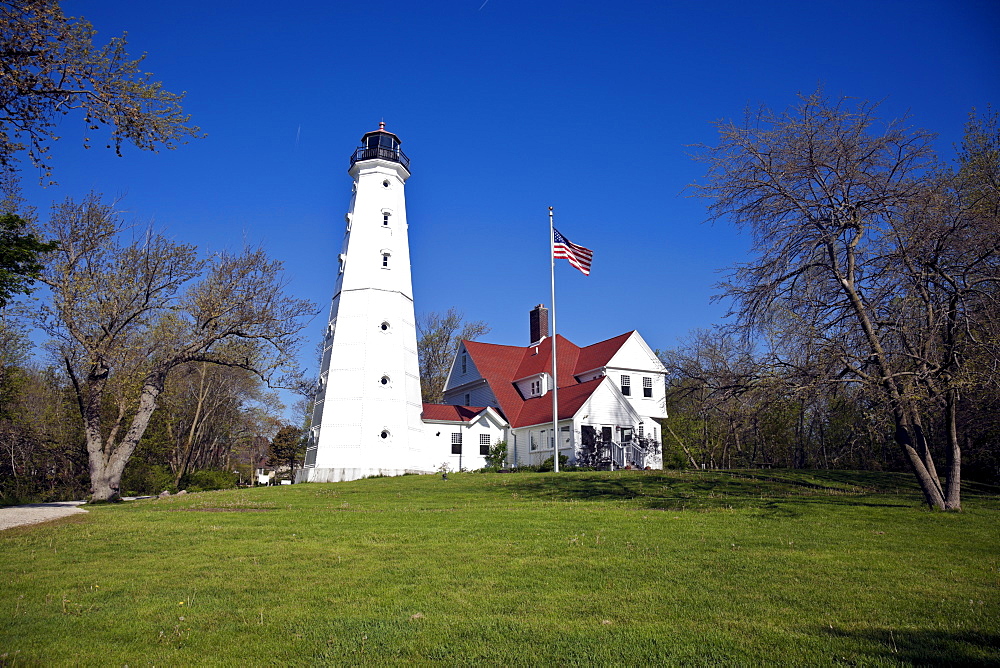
634 353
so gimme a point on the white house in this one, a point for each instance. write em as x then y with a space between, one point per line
463 435
611 395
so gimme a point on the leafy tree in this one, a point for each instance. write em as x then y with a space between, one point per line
125 314
51 67
288 448
438 340
20 264
865 253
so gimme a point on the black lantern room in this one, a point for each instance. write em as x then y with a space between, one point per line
380 145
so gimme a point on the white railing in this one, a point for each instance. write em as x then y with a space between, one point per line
637 454
617 454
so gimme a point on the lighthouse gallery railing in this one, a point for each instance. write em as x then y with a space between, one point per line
381 153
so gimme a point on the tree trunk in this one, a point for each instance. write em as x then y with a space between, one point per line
107 460
929 484
687 452
953 487
185 462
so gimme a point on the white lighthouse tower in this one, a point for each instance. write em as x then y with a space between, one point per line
366 419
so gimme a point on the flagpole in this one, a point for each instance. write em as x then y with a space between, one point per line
555 377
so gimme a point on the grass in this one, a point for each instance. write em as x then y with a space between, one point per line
625 568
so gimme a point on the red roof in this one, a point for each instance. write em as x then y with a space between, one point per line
539 409
600 353
450 413
500 366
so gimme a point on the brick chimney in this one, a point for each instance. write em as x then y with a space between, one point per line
538 322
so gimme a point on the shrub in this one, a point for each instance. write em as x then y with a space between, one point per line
547 465
497 456
199 481
143 478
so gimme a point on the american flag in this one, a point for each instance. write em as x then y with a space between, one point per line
578 256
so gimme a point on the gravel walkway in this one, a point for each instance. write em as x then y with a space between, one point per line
34 513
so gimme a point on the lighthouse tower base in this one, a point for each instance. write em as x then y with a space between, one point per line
346 474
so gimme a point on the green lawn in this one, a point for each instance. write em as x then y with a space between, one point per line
625 568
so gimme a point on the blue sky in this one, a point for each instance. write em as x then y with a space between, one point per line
505 108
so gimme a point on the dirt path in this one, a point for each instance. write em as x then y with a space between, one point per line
34 513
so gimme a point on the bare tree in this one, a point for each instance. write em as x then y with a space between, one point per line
209 409
866 250
51 67
438 339
124 315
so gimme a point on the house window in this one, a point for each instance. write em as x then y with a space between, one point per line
641 429
484 444
465 361
647 387
456 443
468 400
533 442
626 385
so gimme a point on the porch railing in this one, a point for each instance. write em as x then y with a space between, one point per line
637 454
620 455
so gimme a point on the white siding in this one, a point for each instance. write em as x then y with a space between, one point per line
471 459
637 360
540 381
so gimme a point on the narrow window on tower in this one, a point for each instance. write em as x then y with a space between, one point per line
385 218
626 385
385 260
456 443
